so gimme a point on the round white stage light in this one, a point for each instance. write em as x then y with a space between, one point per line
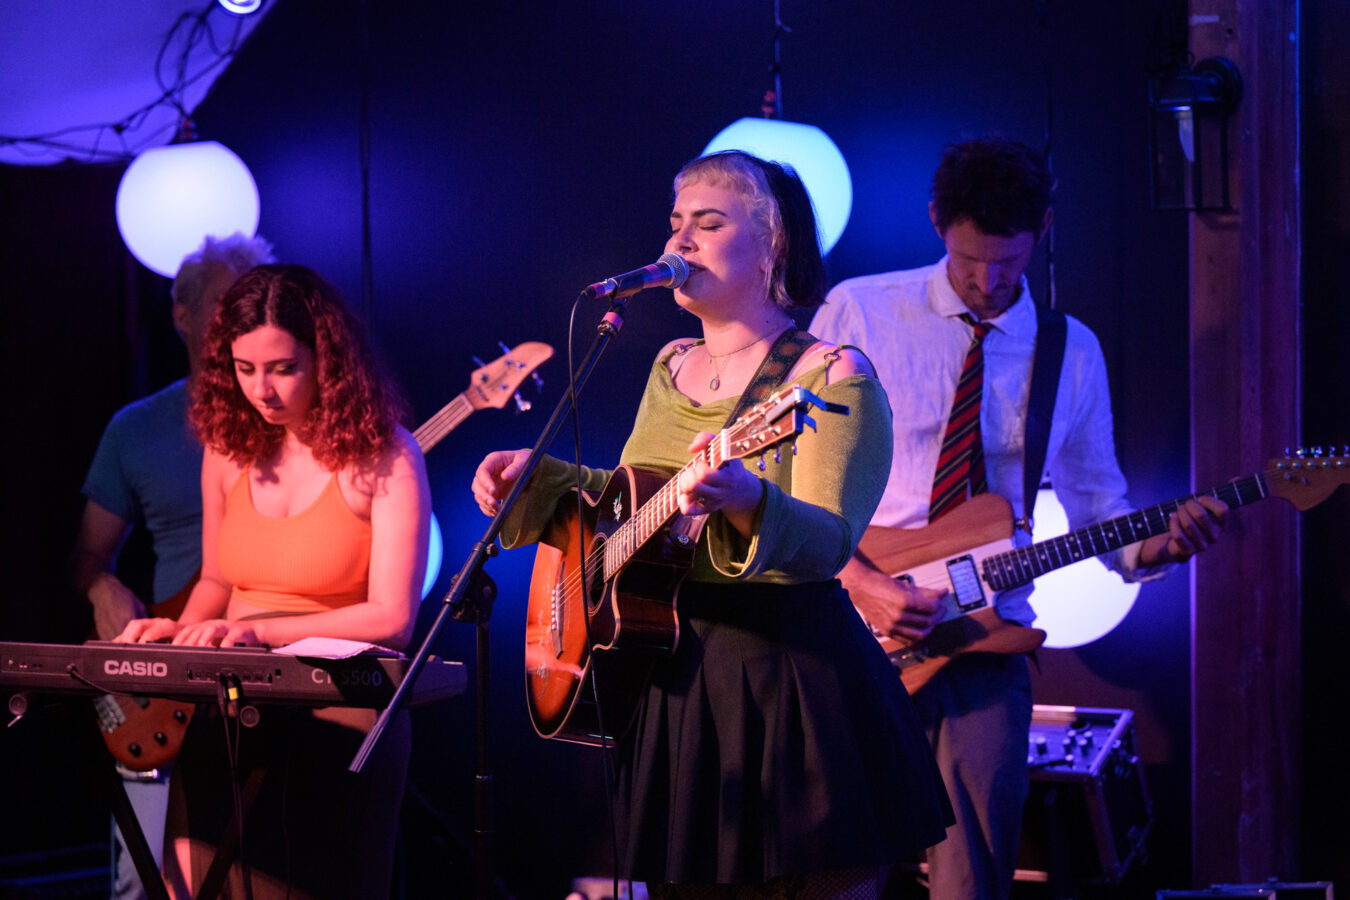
808 150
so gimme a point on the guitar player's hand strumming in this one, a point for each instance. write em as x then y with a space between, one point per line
892 607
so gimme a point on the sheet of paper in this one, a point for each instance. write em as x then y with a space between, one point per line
330 648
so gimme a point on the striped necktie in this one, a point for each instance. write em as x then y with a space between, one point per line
961 462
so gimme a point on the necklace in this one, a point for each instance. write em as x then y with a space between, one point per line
719 362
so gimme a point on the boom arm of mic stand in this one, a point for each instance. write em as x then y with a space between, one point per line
609 326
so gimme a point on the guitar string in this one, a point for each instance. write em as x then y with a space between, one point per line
571 582
433 427
1232 489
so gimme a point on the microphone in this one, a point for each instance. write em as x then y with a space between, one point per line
669 271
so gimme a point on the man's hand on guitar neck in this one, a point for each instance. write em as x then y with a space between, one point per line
1195 527
893 608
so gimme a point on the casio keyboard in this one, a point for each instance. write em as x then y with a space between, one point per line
245 675
195 674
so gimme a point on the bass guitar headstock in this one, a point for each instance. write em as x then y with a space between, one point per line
493 384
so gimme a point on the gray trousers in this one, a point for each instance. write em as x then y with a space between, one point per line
977 712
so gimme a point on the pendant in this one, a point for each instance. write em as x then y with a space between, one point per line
715 383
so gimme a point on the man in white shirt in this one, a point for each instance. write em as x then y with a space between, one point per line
990 207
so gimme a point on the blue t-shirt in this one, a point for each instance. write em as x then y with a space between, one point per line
148 469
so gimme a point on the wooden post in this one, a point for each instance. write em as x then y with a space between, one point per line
1245 357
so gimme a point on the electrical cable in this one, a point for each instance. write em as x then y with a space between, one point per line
198 31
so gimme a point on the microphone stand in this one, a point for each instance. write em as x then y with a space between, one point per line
470 600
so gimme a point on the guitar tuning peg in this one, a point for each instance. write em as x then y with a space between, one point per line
522 405
761 465
1317 452
778 453
505 349
794 448
478 362
538 382
1300 452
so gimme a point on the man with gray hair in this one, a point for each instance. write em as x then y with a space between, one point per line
147 470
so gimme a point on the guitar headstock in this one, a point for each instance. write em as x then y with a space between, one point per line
1307 478
779 418
494 384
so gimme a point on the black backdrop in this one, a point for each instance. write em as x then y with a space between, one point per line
521 151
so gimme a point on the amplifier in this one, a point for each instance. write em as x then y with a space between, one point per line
1089 811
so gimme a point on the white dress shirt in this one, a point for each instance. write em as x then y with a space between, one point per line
908 323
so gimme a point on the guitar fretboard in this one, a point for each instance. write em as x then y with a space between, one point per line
1021 565
444 422
779 418
652 516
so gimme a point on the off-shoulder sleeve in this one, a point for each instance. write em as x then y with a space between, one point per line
818 501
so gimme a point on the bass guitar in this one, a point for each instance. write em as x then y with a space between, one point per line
144 733
969 553
638 548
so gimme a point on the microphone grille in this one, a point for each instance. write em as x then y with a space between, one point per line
679 269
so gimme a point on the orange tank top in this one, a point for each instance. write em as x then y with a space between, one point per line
315 560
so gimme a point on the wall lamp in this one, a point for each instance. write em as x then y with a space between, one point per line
1188 135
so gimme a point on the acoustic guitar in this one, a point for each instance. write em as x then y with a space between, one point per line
638 548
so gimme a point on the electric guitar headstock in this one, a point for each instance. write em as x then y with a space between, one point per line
1307 477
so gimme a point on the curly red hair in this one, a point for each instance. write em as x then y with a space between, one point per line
355 408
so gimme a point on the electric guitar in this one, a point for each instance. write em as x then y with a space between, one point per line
638 549
144 733
969 553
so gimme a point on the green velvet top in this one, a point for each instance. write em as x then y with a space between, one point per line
816 503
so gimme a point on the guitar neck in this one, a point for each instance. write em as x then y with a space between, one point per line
442 423
652 516
1021 565
779 418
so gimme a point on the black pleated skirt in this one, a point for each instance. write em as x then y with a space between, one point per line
776 740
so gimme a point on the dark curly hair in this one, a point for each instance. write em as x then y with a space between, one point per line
780 206
1001 185
355 408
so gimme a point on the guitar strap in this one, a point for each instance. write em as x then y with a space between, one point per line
1051 333
782 356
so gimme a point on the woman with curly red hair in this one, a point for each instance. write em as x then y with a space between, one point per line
315 524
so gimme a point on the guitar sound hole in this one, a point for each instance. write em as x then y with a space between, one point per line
595 574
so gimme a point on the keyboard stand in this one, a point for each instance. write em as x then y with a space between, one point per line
228 844
134 838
